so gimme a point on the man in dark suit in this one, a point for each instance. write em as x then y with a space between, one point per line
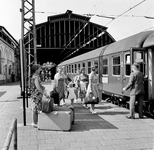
136 85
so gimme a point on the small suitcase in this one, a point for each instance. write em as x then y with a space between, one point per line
55 96
47 105
59 119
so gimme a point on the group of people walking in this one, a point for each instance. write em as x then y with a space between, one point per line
80 87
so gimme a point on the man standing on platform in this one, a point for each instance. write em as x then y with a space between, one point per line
136 85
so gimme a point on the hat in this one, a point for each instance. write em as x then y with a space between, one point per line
136 65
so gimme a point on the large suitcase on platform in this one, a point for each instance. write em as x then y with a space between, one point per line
59 119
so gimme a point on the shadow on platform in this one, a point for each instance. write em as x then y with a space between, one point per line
85 120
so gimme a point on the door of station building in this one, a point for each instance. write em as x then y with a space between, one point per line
140 56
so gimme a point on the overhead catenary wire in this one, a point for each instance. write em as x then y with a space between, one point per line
126 11
94 38
78 31
86 39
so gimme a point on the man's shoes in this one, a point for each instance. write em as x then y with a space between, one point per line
130 117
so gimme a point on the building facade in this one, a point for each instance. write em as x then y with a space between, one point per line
9 56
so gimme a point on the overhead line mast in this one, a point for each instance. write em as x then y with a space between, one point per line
27 47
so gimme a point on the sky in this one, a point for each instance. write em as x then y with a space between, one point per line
132 22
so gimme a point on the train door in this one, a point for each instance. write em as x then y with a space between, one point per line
126 71
140 56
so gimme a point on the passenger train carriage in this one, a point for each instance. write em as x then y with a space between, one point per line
114 62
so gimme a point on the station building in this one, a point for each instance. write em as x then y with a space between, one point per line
9 56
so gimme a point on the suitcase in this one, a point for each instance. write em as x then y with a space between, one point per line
60 119
67 108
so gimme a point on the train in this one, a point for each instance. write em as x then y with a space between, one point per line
114 68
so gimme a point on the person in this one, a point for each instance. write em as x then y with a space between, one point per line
77 84
71 89
13 77
37 92
83 79
42 75
136 86
59 84
93 86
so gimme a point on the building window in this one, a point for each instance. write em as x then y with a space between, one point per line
105 66
10 70
116 65
89 67
127 65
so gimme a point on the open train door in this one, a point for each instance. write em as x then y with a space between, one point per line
140 56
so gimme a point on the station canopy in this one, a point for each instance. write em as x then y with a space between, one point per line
68 35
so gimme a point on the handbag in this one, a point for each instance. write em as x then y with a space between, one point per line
54 94
47 105
91 99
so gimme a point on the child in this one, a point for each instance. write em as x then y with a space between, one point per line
71 89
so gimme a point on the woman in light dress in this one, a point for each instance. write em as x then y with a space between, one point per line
93 86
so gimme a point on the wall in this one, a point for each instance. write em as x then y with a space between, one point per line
6 61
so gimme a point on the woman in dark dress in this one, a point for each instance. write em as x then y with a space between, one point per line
60 83
83 78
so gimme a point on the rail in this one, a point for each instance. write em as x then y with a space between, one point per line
13 130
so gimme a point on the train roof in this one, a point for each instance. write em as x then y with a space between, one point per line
136 40
92 54
149 41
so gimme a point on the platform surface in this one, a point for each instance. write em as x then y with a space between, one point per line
107 130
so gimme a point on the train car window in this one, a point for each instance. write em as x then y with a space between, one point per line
116 65
141 58
72 68
69 68
95 62
79 67
127 65
75 68
0 62
89 67
105 66
83 65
